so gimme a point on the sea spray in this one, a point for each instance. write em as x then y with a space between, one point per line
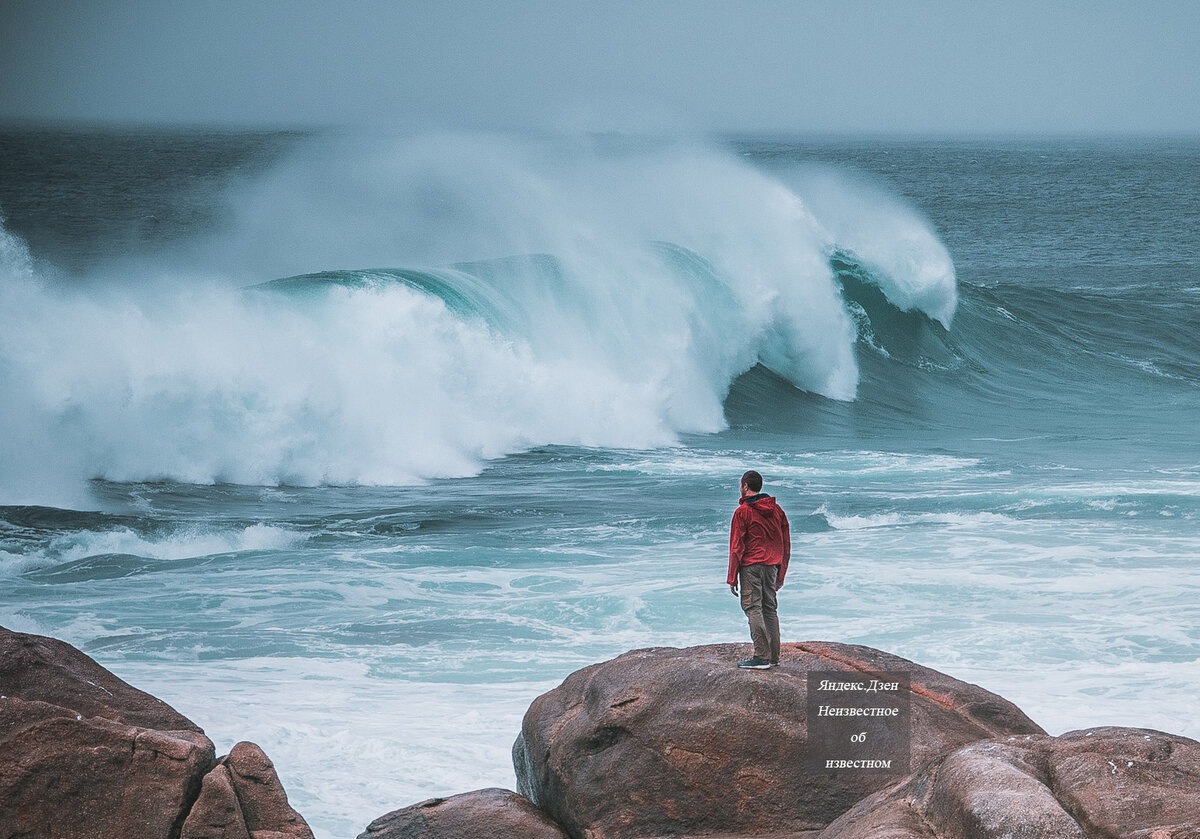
889 238
622 292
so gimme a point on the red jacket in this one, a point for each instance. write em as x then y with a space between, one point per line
759 533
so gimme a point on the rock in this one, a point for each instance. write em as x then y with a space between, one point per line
261 796
216 813
39 669
495 813
676 741
1127 782
242 798
84 754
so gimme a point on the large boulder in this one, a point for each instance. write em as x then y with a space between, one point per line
678 741
84 754
495 813
1127 782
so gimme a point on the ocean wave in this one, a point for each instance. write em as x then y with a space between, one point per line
582 298
121 551
891 240
908 519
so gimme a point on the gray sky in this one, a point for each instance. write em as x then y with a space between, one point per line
901 66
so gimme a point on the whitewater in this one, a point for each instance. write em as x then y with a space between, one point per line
352 446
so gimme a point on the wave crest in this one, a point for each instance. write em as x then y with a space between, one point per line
633 287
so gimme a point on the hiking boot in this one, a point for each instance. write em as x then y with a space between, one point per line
755 663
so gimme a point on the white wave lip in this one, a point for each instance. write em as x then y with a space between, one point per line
892 240
170 372
185 544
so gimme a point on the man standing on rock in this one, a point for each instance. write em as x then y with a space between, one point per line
760 544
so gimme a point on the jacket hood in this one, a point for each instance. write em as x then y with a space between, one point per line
762 503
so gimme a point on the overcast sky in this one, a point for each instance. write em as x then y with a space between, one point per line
901 66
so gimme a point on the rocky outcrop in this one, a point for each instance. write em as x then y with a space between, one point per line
242 797
260 794
84 754
494 813
677 741
217 813
1100 782
658 742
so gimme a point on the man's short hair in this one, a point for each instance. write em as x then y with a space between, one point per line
752 480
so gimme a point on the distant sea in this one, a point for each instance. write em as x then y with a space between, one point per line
352 445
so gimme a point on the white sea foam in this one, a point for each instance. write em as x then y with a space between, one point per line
381 744
798 465
15 260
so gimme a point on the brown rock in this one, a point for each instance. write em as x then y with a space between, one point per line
1127 782
494 813
216 813
36 668
262 798
677 741
84 754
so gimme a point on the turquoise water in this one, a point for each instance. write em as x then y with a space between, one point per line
490 429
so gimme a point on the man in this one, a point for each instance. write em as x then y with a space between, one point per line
760 544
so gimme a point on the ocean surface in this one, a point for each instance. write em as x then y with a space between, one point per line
352 445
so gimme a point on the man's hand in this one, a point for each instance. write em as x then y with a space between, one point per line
733 590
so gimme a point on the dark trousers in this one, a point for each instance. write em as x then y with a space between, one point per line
758 602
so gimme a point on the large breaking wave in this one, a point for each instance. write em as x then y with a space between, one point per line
530 293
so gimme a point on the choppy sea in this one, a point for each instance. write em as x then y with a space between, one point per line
352 445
